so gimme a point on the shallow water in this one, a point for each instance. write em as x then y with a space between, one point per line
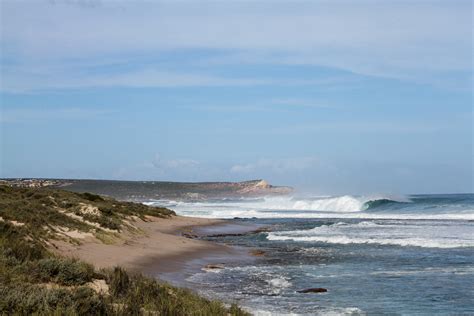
409 255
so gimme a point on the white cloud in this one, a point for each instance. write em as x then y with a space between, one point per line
275 165
20 82
27 81
401 27
172 164
414 40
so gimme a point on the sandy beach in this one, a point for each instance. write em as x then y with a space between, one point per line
163 247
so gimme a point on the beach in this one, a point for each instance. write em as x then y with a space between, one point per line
166 248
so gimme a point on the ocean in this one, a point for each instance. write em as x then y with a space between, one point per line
410 255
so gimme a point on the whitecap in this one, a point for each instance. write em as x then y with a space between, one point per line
417 234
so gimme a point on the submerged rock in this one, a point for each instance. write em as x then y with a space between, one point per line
313 290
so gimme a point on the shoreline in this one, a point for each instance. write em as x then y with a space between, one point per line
161 249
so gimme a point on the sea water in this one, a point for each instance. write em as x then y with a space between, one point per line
374 254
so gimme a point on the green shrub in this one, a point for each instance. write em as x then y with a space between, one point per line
91 197
27 299
119 282
13 243
63 271
104 221
109 222
106 211
87 302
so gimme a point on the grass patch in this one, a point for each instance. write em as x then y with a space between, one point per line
62 271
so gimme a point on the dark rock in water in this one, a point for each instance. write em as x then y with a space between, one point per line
257 253
313 290
246 233
265 229
227 235
190 235
213 266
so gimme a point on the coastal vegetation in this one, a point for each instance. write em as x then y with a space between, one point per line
136 190
36 280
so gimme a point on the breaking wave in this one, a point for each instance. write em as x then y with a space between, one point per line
395 233
345 203
347 206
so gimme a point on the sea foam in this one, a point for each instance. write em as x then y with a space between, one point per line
418 234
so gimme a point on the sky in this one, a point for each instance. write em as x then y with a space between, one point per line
331 97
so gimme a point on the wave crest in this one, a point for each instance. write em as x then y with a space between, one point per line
347 206
372 204
343 204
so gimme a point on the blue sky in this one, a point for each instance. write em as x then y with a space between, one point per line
327 96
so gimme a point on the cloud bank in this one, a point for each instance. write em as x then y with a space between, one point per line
43 42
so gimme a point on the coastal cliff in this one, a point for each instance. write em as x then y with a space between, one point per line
141 190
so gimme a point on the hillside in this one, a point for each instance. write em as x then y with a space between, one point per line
141 190
35 280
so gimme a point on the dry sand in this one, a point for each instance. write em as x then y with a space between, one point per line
158 249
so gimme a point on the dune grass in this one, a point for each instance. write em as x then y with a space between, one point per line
33 280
